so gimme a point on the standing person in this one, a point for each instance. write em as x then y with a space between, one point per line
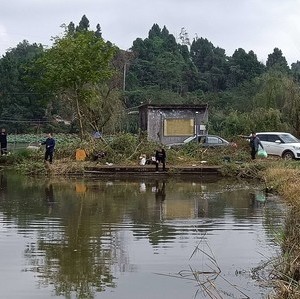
254 144
3 142
50 145
160 157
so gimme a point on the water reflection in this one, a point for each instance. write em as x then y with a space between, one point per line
49 196
160 191
3 186
79 236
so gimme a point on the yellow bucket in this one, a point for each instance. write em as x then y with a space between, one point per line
80 155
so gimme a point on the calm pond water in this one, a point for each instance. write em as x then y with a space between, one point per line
133 239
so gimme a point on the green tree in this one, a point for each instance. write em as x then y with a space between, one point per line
19 103
243 67
270 90
75 65
211 63
276 60
269 119
71 28
159 62
235 122
295 70
84 24
102 108
279 91
291 108
98 32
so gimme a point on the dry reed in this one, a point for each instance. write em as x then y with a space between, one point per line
285 180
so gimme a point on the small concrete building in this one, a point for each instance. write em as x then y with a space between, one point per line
168 124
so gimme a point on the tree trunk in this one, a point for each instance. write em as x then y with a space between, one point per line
79 118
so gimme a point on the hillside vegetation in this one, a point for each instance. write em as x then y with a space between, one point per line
83 84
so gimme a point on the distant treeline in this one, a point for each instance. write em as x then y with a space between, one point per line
94 84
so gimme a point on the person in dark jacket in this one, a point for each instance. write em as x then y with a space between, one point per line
160 157
254 144
50 145
3 142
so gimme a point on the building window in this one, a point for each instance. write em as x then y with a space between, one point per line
179 127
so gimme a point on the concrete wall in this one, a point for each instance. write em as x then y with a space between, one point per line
152 119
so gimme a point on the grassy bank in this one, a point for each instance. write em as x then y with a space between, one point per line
125 149
284 178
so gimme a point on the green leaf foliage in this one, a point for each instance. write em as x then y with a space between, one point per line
76 60
276 60
90 82
18 100
74 66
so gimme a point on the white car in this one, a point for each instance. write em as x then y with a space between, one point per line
281 144
204 141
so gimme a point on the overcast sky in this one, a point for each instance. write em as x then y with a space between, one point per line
258 25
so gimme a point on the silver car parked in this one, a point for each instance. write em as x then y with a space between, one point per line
203 140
